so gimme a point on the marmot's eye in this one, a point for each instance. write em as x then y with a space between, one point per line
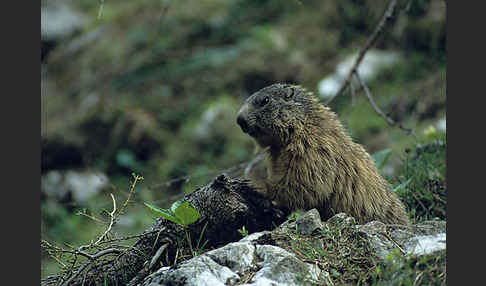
264 101
290 93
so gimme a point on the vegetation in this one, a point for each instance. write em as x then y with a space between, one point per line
156 87
182 213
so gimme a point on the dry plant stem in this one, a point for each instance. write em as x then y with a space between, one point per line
372 102
112 221
225 204
157 255
387 16
101 240
81 269
91 217
98 254
390 121
394 242
132 190
100 11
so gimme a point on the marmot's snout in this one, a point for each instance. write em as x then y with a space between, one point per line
242 122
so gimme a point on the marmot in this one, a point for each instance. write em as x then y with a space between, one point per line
311 162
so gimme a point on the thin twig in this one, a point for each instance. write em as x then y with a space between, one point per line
71 275
112 221
372 102
83 213
157 255
390 121
396 244
130 193
387 16
100 11
128 237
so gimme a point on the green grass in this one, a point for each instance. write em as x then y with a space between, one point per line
425 166
338 249
399 271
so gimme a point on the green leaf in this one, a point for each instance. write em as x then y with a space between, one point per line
175 205
402 185
186 213
380 157
168 214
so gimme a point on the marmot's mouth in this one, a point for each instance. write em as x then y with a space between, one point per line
243 124
250 129
252 133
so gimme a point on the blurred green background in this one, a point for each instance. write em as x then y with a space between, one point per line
153 87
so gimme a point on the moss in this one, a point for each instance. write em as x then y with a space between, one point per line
426 194
338 249
400 271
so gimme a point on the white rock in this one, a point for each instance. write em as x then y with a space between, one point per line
238 256
51 184
280 267
59 19
223 266
85 185
425 244
441 125
254 236
330 85
199 271
82 184
373 62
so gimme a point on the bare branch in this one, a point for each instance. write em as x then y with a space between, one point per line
390 121
130 193
387 16
112 221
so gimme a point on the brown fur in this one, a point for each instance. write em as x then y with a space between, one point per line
311 162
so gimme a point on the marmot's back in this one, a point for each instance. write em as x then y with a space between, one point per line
311 162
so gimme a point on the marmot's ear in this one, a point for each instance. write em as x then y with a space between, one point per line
290 93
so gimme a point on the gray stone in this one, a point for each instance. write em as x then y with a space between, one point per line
375 232
418 239
83 185
254 236
201 270
425 244
238 256
308 222
280 267
271 265
59 20
342 218
225 266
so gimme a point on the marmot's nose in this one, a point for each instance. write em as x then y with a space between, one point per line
242 122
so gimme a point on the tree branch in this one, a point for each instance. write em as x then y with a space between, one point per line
387 16
390 121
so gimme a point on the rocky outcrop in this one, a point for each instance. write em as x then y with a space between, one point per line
257 260
244 263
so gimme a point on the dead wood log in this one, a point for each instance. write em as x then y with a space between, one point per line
225 205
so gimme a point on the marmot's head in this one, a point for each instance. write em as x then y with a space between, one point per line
274 114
